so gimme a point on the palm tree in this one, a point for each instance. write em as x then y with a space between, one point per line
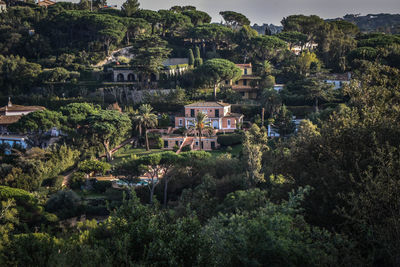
145 119
201 124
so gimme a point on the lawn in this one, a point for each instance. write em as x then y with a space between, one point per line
128 150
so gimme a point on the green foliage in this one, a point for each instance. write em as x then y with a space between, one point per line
215 34
265 47
24 245
16 74
259 228
216 70
186 148
254 145
165 120
107 127
197 17
15 193
89 166
191 57
65 204
76 113
175 148
307 63
151 52
77 180
34 166
37 124
234 19
57 75
102 186
293 38
284 122
229 139
145 119
173 23
130 7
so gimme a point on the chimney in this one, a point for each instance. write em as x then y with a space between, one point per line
9 102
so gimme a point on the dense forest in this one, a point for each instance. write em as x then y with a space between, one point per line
325 192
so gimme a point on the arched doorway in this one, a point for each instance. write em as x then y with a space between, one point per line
120 77
131 77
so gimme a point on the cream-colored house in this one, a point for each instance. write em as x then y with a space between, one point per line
246 84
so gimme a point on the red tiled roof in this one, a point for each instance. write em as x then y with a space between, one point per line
46 3
208 104
6 120
21 108
244 65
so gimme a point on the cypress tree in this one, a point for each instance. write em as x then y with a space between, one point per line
197 59
197 52
191 57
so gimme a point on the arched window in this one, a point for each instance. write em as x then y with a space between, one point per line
131 77
120 77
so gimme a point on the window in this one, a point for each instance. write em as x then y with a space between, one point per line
237 82
217 113
245 71
120 77
204 111
165 143
226 82
212 145
176 143
197 143
192 113
229 123
244 82
180 122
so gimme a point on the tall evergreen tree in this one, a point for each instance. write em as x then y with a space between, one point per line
130 7
191 57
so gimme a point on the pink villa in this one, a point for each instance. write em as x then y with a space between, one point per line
220 118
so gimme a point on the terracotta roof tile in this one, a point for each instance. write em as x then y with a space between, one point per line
208 104
6 120
21 108
244 65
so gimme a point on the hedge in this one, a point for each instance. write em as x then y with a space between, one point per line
229 139
15 193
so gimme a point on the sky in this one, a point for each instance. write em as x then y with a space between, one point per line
272 11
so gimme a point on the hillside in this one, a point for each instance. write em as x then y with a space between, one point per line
387 23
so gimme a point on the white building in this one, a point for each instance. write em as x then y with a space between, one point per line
338 80
3 7
172 67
